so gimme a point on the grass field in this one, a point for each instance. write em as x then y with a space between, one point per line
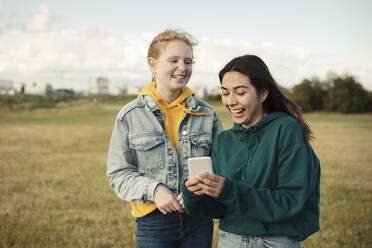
54 191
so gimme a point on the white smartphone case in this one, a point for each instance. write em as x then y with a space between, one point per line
199 164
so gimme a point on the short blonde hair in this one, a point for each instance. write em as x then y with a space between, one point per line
159 43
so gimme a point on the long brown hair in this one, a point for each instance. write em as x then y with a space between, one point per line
260 77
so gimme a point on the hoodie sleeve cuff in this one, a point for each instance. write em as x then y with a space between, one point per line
226 191
186 193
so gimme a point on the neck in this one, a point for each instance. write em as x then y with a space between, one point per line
167 95
259 117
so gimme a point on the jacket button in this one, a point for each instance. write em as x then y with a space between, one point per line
184 133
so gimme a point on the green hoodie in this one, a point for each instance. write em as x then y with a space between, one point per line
272 181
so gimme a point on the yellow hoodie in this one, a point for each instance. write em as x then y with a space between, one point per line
173 114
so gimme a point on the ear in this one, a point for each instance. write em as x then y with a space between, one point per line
263 95
152 64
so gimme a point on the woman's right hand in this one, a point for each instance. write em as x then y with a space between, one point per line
206 184
193 185
166 201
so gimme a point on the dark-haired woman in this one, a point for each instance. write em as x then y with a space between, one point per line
265 186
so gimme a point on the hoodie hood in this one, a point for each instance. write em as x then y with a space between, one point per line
150 90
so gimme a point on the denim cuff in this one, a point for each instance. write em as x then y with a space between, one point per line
151 190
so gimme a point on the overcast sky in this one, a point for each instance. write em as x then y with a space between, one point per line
67 41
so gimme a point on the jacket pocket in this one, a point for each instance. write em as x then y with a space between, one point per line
200 144
149 155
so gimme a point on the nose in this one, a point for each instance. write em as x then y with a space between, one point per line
181 65
231 100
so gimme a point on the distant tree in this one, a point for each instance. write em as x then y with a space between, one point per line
302 94
337 93
369 101
309 94
319 94
346 95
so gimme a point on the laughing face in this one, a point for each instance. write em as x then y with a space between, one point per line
242 99
172 70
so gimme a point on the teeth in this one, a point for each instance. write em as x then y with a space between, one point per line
179 77
237 111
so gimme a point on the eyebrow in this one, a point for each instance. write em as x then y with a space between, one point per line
178 57
236 87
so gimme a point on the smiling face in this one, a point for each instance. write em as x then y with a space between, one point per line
242 99
173 69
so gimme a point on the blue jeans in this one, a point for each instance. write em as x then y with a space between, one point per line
231 240
173 230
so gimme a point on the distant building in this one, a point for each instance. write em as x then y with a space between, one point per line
82 93
18 88
6 87
133 90
42 89
98 86
116 90
200 91
64 92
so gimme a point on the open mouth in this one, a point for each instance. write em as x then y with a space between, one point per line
236 111
179 76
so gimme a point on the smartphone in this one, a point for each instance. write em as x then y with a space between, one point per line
199 164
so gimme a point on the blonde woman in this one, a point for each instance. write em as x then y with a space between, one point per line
152 139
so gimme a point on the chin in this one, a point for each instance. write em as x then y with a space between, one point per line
238 122
181 85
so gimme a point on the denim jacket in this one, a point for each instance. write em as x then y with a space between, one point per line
141 155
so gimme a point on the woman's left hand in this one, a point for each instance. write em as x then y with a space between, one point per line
180 201
211 184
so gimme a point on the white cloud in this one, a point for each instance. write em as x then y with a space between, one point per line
289 65
26 55
79 54
40 21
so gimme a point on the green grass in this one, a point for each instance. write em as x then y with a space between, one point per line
54 191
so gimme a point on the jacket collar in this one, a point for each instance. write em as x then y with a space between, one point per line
150 103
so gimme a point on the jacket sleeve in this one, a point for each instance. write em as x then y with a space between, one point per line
297 177
122 173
